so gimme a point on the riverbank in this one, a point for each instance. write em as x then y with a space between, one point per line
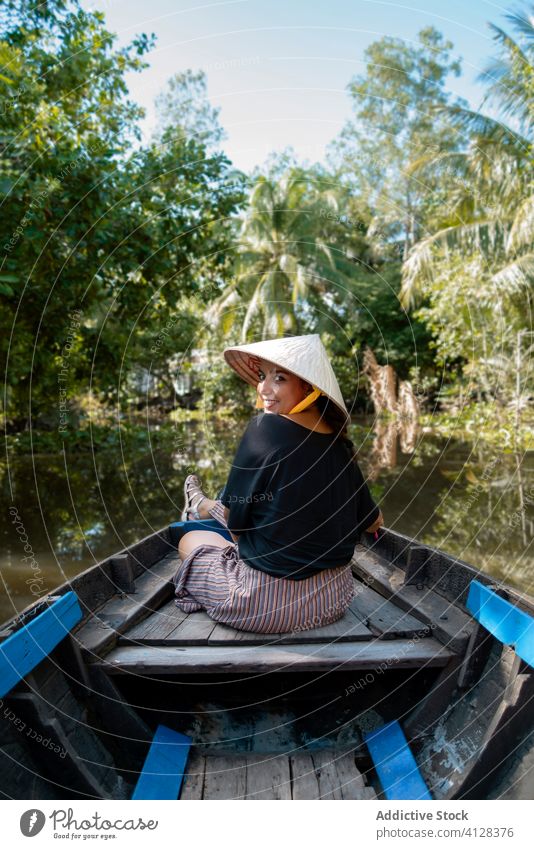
489 423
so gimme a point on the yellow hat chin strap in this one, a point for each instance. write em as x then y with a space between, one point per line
307 401
298 408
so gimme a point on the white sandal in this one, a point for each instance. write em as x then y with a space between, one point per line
192 488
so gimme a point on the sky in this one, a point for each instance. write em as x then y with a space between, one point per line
279 69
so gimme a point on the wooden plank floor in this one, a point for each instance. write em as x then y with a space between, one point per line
145 626
146 633
370 616
322 774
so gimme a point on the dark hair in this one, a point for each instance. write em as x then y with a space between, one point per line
332 415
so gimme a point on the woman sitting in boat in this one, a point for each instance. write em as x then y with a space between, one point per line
295 501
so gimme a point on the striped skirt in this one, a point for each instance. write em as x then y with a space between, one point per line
214 579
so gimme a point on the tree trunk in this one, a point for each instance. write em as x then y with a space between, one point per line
383 386
408 405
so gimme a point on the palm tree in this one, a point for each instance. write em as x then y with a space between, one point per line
283 256
492 206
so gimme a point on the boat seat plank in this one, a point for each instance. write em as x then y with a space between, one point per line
21 652
155 629
199 629
268 777
449 624
223 635
192 631
163 770
308 656
348 628
383 617
152 589
395 764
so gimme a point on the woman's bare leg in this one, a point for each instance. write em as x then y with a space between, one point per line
193 539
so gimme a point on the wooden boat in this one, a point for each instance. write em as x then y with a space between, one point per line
423 690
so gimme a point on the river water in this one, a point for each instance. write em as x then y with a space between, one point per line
63 513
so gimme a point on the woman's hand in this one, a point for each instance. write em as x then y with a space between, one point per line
376 524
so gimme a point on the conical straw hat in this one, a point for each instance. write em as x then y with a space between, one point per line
304 356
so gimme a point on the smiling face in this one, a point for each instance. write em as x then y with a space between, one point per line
280 390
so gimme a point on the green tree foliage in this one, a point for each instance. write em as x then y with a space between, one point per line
284 257
474 276
99 241
394 123
185 108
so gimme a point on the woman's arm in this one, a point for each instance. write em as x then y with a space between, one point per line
378 522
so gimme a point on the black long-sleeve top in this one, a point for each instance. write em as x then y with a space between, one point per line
296 498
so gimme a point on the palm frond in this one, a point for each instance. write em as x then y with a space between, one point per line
472 122
510 77
432 162
485 237
506 42
523 23
252 309
515 277
228 299
300 285
522 230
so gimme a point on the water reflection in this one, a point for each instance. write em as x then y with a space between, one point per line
465 498
74 510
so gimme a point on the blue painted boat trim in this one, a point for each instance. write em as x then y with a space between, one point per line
504 620
25 649
178 529
164 767
396 767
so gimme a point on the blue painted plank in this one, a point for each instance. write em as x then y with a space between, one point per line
23 650
395 764
178 529
504 620
164 767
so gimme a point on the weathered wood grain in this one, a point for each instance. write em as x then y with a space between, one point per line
327 775
305 784
319 775
156 628
268 777
153 588
168 660
195 630
351 781
193 786
225 778
448 622
383 617
199 629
